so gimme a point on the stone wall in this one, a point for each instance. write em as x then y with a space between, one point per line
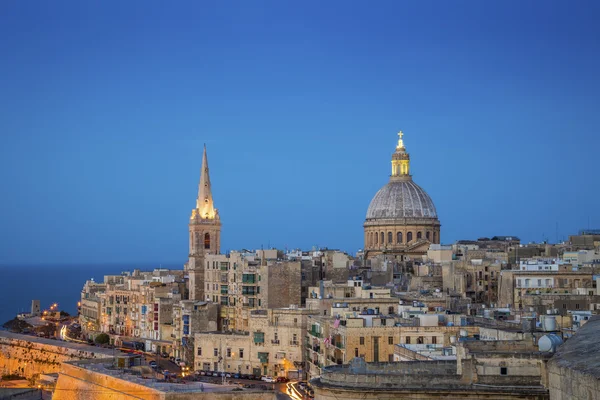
574 371
77 383
28 356
283 283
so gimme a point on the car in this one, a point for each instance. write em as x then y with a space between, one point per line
165 355
236 376
227 375
268 379
153 364
282 379
203 373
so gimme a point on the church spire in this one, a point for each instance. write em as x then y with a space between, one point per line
204 203
400 160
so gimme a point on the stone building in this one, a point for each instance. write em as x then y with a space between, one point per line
133 306
515 286
272 345
401 219
189 317
204 233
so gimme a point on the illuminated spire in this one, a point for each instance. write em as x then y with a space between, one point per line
204 203
400 160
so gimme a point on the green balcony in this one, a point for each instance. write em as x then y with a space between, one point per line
315 333
263 357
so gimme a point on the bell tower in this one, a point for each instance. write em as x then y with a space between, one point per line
204 233
400 160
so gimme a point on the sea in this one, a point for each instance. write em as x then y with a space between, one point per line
62 284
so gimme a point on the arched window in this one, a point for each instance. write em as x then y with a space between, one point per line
434 237
207 240
390 237
376 238
399 237
427 235
382 237
409 237
418 235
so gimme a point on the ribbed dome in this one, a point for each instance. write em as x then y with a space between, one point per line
401 199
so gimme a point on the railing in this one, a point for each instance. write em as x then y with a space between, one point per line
294 343
339 345
274 341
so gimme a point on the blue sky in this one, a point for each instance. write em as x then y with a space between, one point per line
105 107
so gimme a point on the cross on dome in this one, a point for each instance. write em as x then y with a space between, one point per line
400 141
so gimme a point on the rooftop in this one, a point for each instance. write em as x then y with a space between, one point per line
582 351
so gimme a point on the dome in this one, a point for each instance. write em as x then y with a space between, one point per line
401 199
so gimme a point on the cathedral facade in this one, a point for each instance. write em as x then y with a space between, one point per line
401 220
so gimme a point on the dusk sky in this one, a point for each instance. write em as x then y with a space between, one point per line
105 106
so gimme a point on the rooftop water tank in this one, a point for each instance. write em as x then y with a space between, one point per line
549 323
549 343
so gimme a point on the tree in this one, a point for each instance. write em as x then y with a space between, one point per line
102 338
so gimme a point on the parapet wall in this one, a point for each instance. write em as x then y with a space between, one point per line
28 356
404 374
76 382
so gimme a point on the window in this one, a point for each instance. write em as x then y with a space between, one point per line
207 240
409 237
228 352
216 352
390 340
295 321
390 237
434 237
420 340
356 352
503 371
362 340
241 353
408 340
391 310
577 306
399 237
419 235
427 235
382 237
434 340
375 238
199 351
